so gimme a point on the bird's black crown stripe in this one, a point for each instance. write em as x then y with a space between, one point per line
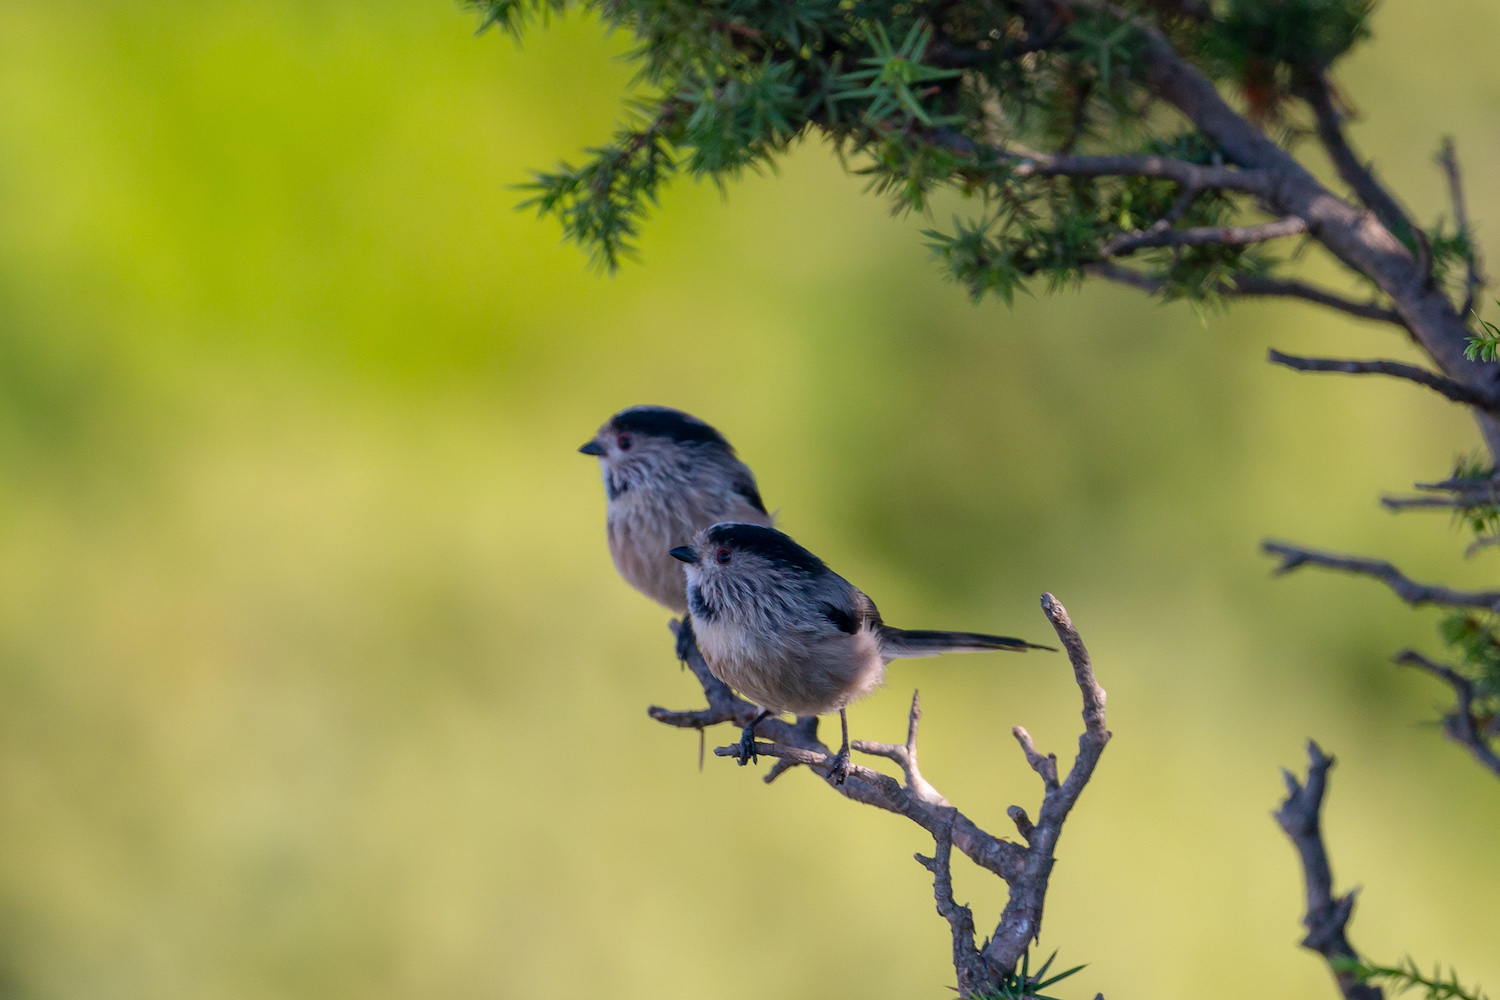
663 421
768 543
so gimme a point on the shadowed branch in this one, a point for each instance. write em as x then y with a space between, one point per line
1442 384
1474 277
1254 287
1460 725
1153 238
1327 915
1413 593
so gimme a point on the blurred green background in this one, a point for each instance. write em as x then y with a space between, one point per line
316 680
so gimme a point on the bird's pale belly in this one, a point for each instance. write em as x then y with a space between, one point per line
812 677
640 555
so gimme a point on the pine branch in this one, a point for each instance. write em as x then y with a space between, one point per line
1127 243
1244 286
1441 384
1413 593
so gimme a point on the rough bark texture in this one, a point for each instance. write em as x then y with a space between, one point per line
1360 237
1327 915
1026 869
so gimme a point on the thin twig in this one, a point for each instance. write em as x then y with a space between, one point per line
1441 384
1021 921
1128 243
1459 725
1252 286
1327 915
1248 286
1479 544
905 754
1046 766
1024 163
1407 503
1474 277
1413 593
1318 93
1489 482
1462 494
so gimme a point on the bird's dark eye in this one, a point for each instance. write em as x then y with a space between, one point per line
623 442
723 555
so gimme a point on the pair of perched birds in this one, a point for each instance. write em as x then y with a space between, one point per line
687 528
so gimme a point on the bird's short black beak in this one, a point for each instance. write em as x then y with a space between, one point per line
593 448
684 553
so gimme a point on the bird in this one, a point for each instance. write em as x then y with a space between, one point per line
791 635
667 475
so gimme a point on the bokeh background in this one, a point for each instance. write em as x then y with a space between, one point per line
315 678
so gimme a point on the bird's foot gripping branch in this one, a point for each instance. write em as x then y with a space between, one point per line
1000 963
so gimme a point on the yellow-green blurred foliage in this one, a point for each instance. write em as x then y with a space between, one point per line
315 678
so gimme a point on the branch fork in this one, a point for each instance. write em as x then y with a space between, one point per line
1300 817
1025 869
1460 725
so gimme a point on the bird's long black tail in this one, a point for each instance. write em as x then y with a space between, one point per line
900 643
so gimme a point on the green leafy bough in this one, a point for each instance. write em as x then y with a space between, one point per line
1154 143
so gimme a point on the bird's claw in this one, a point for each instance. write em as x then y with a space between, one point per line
839 769
747 746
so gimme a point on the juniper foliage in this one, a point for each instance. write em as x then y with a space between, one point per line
924 96
1407 976
1155 143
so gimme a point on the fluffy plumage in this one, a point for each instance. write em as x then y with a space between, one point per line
667 475
775 623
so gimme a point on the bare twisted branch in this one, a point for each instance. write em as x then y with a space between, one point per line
1453 389
1413 593
1327 915
973 971
1461 725
799 744
1021 920
1026 870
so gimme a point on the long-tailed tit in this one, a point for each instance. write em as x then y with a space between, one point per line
790 634
667 476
